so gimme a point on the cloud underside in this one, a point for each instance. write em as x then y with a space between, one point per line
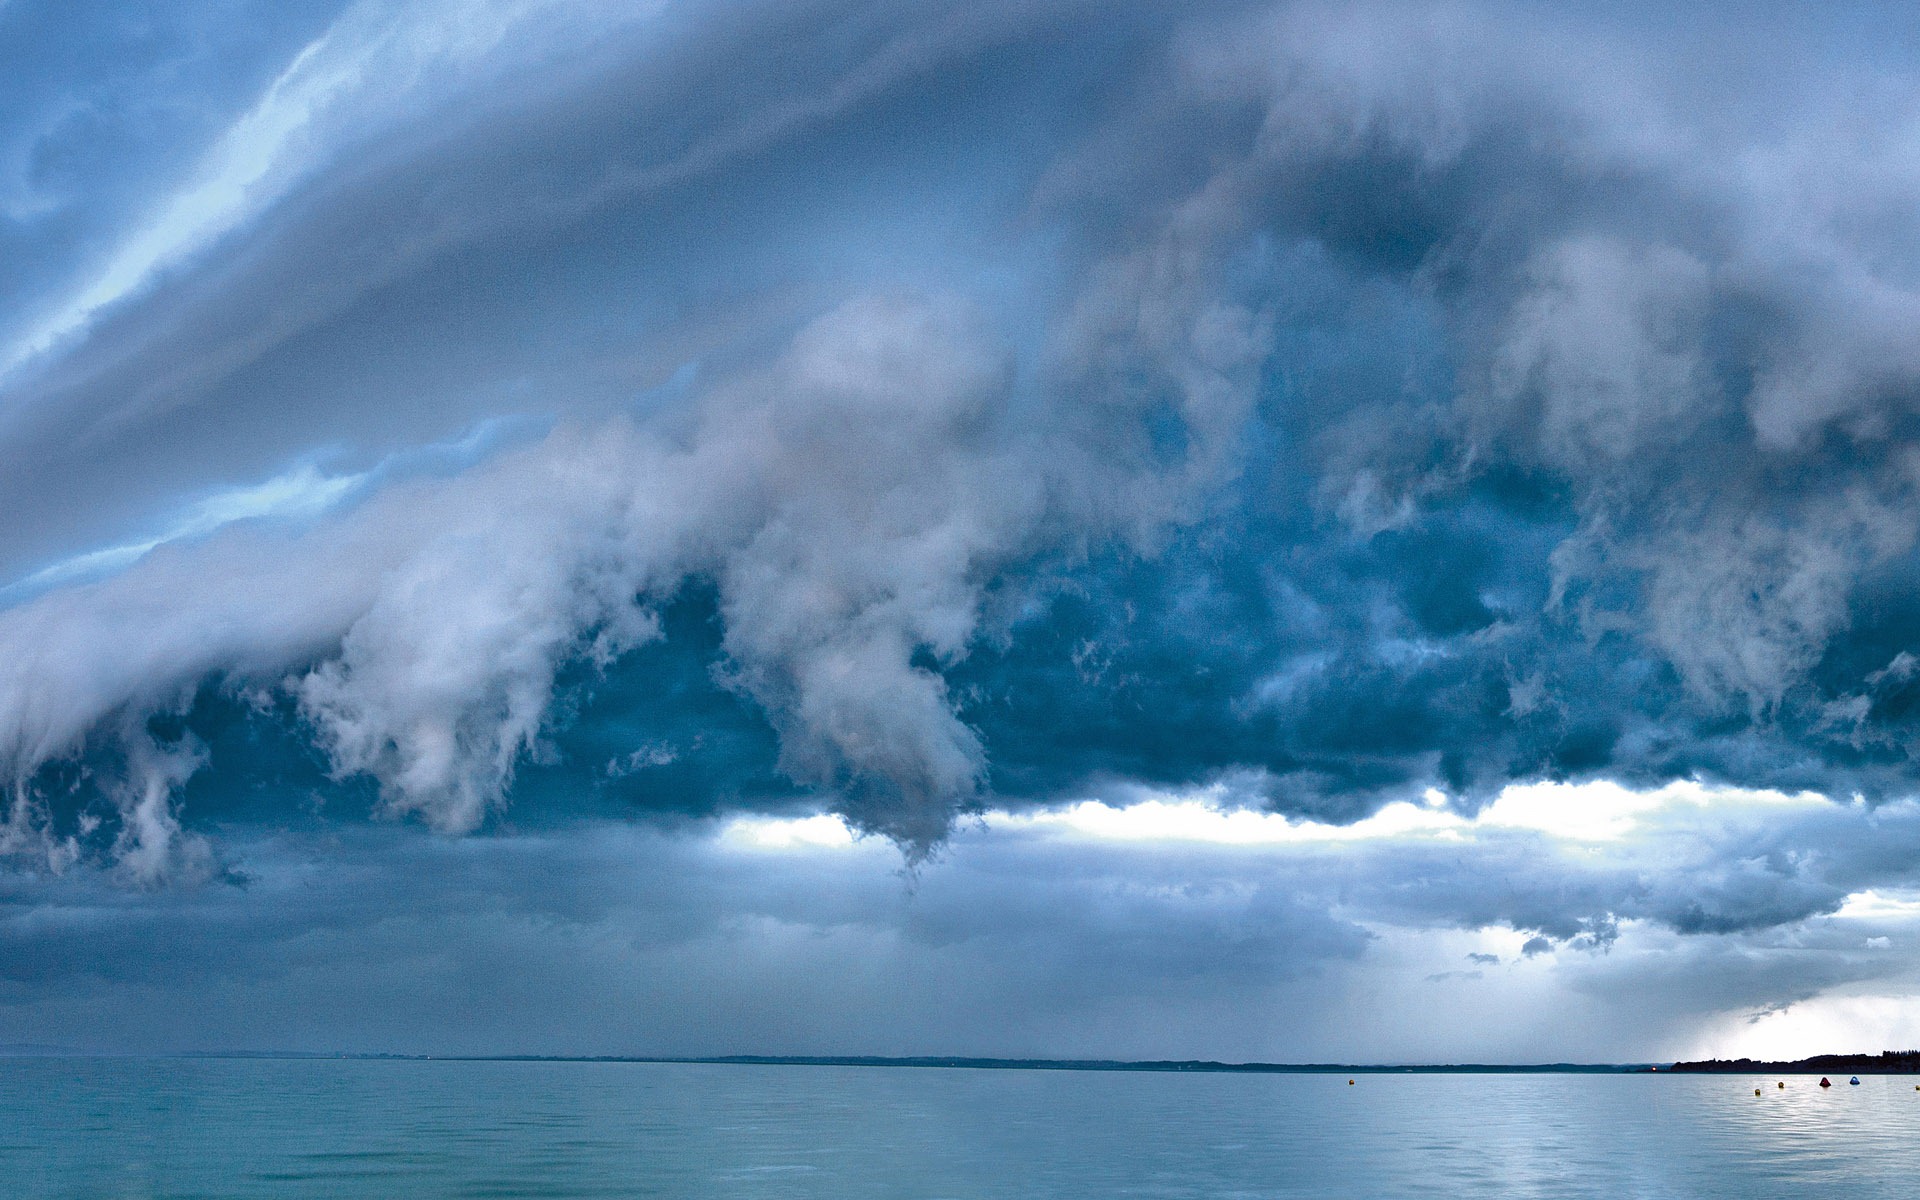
1032 935
1322 404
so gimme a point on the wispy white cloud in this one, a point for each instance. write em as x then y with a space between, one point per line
365 72
299 494
303 492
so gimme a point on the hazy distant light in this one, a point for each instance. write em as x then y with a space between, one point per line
792 833
1833 1023
1605 811
1196 820
1875 904
1584 813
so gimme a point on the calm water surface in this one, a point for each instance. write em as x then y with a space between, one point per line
236 1128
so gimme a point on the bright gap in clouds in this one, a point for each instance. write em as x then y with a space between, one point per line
1879 904
1847 1022
788 833
1596 812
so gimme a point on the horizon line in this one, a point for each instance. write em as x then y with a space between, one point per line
931 1061
1812 1064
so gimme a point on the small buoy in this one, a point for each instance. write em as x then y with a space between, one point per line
1783 1087
1349 1083
1756 1091
1825 1082
1854 1082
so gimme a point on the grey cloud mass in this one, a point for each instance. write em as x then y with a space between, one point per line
523 418
621 938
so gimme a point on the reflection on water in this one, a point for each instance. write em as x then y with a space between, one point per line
318 1128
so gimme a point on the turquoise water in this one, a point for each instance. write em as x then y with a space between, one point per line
98 1128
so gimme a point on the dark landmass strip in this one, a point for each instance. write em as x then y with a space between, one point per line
1202 1065
993 1064
1887 1062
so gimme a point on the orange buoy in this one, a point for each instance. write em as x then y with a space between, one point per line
1756 1091
1783 1088
1349 1083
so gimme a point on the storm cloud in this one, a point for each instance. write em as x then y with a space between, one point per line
516 417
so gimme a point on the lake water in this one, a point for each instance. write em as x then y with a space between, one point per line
98 1128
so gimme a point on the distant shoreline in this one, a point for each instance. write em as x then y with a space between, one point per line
1195 1066
935 1062
1887 1063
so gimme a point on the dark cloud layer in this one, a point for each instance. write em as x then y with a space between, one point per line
508 415
1468 427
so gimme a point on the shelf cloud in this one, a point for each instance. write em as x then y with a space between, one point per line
511 417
